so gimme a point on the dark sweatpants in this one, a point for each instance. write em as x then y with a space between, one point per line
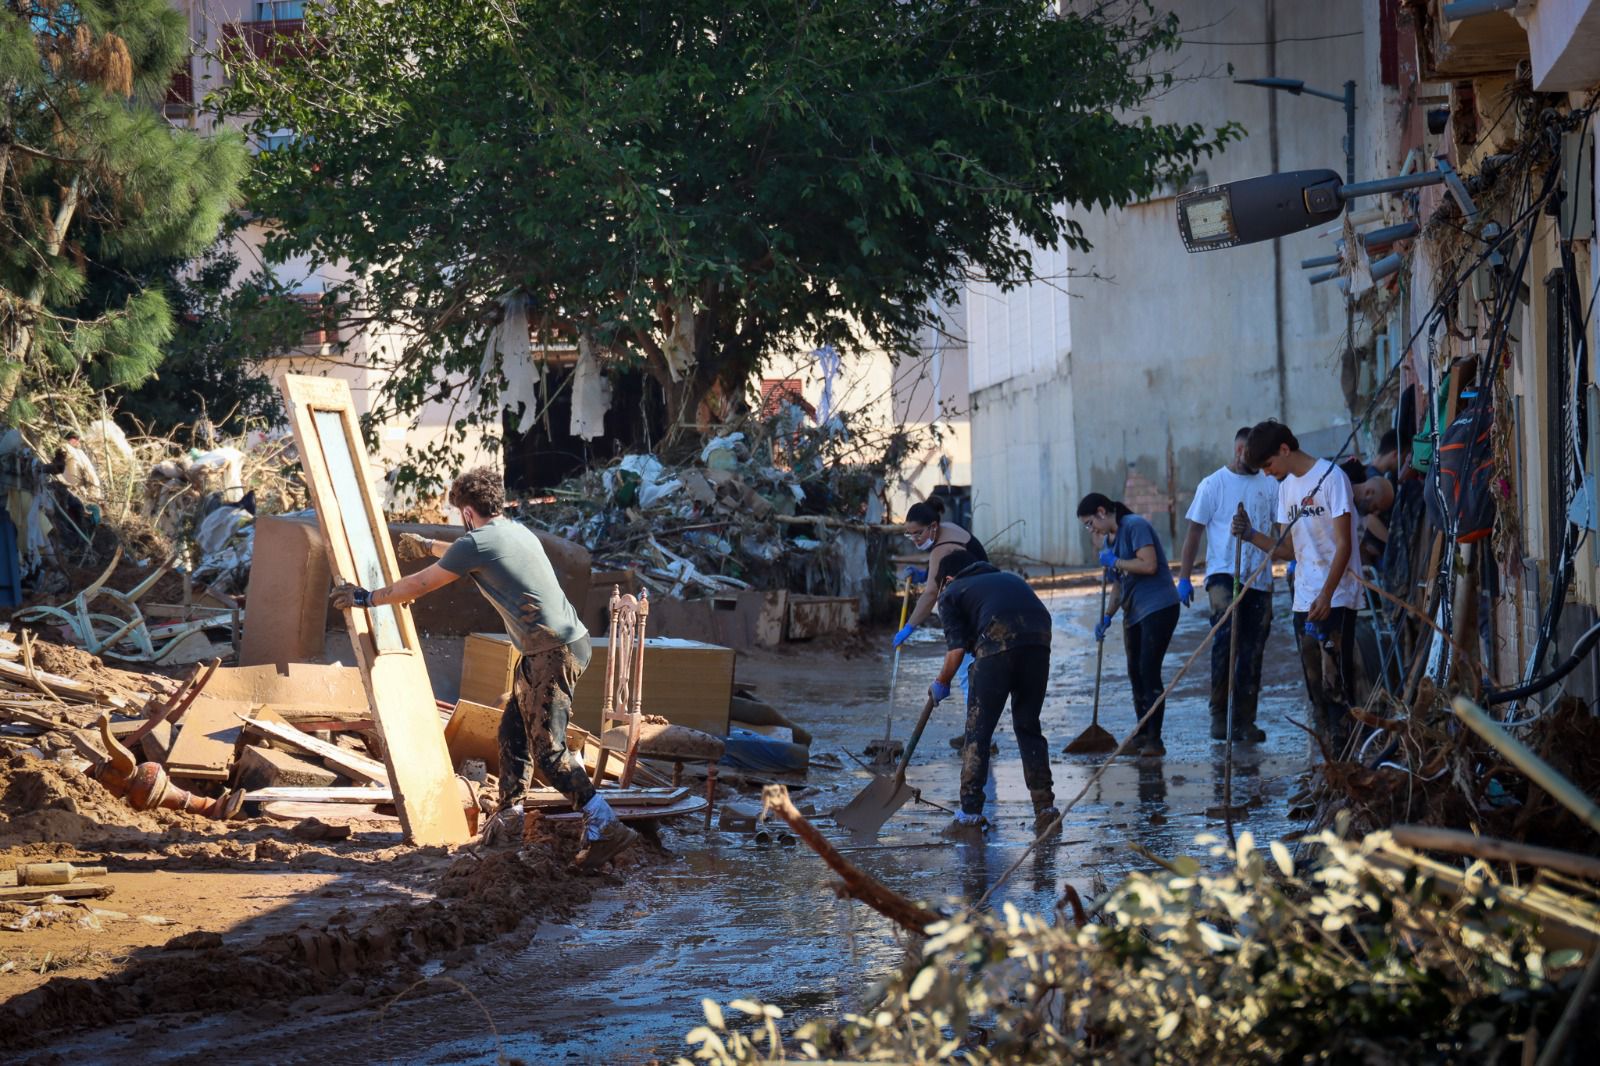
1146 644
534 727
1330 675
1020 674
1254 616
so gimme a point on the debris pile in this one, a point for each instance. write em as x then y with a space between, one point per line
780 504
1402 958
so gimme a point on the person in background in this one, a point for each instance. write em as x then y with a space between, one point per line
1145 592
928 530
1316 503
1386 463
997 619
1217 498
507 563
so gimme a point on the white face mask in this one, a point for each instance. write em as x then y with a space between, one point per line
925 545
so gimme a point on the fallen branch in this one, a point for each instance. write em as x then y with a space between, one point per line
857 884
1429 838
1522 757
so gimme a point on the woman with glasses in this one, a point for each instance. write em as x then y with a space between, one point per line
928 530
1144 590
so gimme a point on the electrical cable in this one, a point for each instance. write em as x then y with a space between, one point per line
1580 649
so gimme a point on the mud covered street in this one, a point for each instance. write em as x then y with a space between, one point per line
620 978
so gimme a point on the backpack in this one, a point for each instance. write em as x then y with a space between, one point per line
1458 498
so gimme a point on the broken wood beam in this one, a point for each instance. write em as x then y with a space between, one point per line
856 883
1459 842
343 758
1522 757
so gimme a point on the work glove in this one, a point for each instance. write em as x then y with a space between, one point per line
1108 557
1185 591
1101 629
904 633
347 596
1290 570
917 574
415 545
939 692
1240 527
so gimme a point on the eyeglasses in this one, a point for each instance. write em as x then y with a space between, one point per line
916 534
1088 523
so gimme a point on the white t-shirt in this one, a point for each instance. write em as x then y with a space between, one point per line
1216 499
1313 534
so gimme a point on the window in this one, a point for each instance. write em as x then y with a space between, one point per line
276 10
269 141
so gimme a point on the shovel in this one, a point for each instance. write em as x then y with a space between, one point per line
886 793
1094 740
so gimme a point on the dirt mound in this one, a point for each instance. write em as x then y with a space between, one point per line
90 669
481 896
44 801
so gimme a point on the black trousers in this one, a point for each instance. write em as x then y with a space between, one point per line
1146 644
1330 667
1254 617
534 727
1021 675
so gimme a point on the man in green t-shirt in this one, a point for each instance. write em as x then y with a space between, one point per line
505 560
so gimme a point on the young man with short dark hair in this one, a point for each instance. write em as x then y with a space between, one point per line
997 618
1315 501
1217 499
508 565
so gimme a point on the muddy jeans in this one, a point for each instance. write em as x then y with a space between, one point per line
534 727
1020 674
1330 673
1146 646
1254 616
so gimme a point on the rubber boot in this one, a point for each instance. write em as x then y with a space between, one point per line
1045 814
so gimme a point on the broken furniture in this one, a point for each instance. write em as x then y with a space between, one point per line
624 675
691 683
119 630
146 786
387 648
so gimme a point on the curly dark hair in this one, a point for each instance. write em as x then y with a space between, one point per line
480 489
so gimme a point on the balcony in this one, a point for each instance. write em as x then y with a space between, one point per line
322 323
1492 43
272 40
1565 35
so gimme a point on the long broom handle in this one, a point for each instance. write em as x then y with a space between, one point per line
1100 653
1233 688
911 745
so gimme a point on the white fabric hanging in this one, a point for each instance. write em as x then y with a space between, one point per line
591 393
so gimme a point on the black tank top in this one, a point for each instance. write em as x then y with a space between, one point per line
973 547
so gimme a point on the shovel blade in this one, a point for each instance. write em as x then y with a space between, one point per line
873 806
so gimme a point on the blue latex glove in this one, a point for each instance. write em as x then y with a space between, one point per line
1185 591
1108 557
1100 630
917 574
904 634
939 692
1291 570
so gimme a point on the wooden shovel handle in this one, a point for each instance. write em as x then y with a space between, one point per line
911 745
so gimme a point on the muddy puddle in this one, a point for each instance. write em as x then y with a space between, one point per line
622 981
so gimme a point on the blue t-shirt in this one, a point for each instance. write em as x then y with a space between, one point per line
1143 593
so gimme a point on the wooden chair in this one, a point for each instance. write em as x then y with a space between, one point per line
624 680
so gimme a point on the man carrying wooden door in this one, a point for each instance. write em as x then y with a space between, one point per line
508 564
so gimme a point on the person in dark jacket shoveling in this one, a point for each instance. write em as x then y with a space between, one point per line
996 618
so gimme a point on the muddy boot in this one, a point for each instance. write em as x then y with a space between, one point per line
504 827
966 827
614 839
1219 727
1249 733
1151 748
1045 814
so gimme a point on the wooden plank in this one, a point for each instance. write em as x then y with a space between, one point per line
207 736
36 893
356 535
332 691
298 794
355 764
63 686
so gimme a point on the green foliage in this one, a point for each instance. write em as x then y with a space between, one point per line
699 184
1360 958
95 186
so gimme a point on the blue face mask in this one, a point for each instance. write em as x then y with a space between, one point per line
925 545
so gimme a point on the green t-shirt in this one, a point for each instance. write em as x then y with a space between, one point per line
508 564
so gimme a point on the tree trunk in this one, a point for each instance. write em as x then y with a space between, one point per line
21 338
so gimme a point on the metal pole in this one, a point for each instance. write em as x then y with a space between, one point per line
1349 207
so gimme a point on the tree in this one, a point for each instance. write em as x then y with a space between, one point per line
93 185
692 185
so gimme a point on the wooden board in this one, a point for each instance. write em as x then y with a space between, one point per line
399 693
295 794
685 681
335 691
474 733
291 811
75 890
207 735
287 594
356 765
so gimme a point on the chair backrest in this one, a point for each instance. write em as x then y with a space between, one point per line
625 658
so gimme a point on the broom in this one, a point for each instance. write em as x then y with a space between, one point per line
1094 740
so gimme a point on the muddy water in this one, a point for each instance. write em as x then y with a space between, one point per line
727 918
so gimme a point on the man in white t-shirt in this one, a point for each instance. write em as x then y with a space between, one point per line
1217 498
1315 501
